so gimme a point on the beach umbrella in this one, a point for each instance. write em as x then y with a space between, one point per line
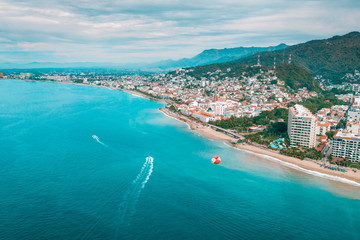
216 160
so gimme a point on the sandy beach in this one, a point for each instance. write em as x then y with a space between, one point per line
198 127
139 94
303 164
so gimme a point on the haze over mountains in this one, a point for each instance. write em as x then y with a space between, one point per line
332 58
38 65
215 56
206 57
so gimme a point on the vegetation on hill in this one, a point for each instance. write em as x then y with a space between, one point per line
296 77
332 58
215 56
274 115
324 100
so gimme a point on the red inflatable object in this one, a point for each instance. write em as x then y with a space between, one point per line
216 160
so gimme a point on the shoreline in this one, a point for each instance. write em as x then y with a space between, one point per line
198 127
306 166
135 93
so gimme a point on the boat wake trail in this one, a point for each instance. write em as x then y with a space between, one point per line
127 207
131 197
96 138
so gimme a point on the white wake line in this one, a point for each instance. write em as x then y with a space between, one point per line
141 171
151 160
97 139
311 172
132 195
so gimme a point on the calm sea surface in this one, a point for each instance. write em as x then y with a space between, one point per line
73 166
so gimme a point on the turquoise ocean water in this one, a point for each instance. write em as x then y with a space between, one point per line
73 166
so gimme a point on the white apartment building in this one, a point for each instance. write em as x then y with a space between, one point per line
205 117
219 110
301 127
353 115
346 145
353 127
322 128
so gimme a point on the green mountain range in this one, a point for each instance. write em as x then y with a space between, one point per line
297 77
298 64
332 58
214 56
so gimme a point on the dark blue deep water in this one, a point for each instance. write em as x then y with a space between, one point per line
58 181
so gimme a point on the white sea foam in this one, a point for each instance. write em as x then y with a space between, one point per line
315 173
136 96
131 197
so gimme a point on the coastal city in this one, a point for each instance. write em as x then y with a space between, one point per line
216 97
175 120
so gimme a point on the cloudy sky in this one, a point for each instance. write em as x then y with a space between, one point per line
151 30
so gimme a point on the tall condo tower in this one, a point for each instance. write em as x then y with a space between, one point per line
301 127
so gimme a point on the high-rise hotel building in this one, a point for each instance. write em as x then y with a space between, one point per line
346 143
301 127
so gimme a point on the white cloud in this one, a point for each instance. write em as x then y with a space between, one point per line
105 30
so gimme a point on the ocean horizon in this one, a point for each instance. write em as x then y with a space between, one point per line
81 162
